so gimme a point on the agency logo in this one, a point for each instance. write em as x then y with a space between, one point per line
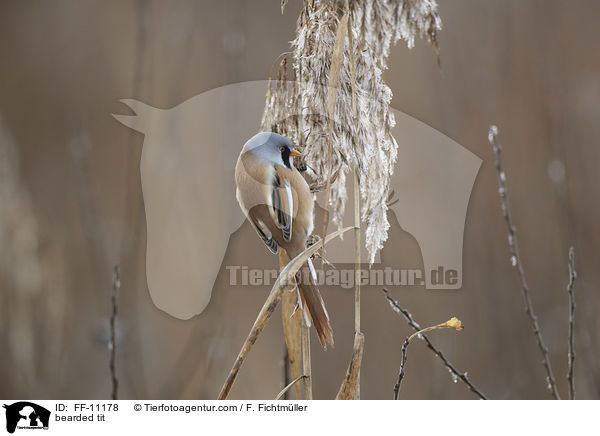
187 176
26 415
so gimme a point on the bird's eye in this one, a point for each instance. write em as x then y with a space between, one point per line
281 149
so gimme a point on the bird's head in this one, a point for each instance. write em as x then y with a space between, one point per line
272 148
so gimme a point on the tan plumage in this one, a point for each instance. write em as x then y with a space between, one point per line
277 201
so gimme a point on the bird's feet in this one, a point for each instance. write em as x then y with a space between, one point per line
312 240
316 239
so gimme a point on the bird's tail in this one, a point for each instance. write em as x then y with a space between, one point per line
313 305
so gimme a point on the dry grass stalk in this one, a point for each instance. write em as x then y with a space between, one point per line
452 323
571 293
350 385
332 96
112 344
292 320
283 281
283 95
352 67
334 78
306 361
357 270
337 110
516 260
357 230
451 368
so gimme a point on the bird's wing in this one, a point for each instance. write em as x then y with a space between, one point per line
264 233
282 204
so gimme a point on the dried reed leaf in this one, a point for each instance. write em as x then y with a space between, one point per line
350 383
287 388
285 278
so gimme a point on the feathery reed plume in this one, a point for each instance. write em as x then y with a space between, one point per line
357 132
516 260
418 18
571 293
451 368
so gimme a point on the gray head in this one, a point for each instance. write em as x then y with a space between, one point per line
271 148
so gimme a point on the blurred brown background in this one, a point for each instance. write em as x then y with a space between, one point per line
71 204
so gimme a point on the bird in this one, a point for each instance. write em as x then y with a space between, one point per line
277 202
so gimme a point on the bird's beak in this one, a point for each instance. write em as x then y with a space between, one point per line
295 153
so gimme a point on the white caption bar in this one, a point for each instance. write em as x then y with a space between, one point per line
297 417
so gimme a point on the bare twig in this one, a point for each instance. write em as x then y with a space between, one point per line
349 389
516 260
452 323
284 391
572 277
112 345
401 373
285 277
459 375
